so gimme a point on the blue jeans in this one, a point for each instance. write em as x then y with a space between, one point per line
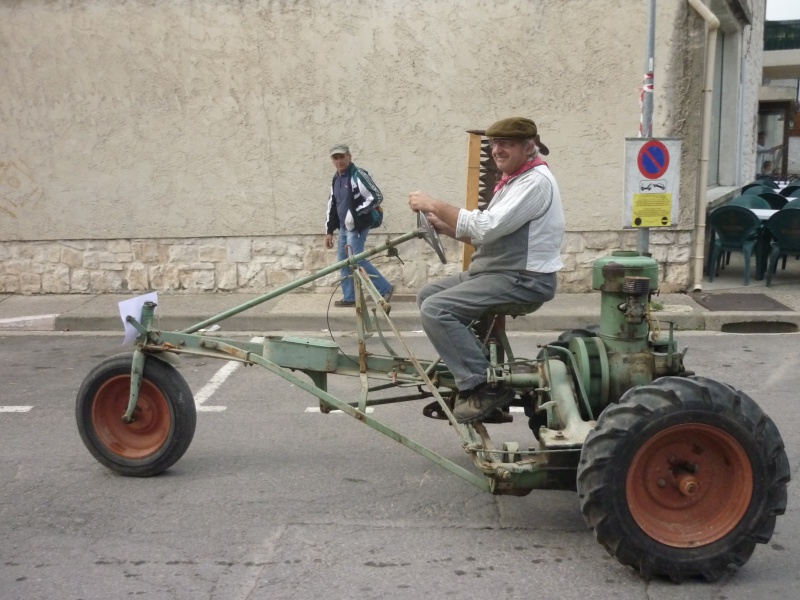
356 240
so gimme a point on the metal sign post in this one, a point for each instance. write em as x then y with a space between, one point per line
646 123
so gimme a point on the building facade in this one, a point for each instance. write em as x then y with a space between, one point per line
183 146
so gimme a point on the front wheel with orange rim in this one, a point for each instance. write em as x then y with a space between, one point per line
163 423
682 478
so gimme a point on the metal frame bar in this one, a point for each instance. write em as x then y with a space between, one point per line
495 476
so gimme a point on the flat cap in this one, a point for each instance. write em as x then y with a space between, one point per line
517 127
513 127
540 145
340 149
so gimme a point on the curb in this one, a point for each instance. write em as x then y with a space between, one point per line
30 323
409 320
765 322
403 321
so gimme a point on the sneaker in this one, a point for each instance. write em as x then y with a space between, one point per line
388 295
481 402
344 303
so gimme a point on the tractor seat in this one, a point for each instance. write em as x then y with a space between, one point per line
512 310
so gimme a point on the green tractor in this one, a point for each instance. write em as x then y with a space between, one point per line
678 475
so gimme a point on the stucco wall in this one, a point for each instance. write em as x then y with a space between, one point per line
752 77
181 118
137 120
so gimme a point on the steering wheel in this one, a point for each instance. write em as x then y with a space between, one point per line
431 236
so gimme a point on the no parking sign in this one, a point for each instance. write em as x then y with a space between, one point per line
652 181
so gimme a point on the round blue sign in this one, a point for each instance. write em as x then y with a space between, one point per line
653 160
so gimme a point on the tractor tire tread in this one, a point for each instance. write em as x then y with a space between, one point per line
178 396
636 409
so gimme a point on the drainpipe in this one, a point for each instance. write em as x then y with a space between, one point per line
712 23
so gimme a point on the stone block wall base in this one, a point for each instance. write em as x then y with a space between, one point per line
260 264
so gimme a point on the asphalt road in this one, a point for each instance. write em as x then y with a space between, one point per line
274 501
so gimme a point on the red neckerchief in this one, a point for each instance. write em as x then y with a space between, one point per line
534 162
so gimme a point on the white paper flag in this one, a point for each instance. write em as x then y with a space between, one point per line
133 307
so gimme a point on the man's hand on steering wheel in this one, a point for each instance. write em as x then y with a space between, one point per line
440 226
420 201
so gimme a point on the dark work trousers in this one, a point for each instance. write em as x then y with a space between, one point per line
449 305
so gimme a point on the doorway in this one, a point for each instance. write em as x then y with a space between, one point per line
772 149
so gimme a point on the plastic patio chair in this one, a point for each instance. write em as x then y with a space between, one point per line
736 229
756 183
750 201
784 229
775 200
792 204
755 190
793 189
765 180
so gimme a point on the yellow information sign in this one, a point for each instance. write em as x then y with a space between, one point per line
652 210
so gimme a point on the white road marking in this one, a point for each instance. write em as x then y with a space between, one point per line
15 408
216 381
201 408
213 385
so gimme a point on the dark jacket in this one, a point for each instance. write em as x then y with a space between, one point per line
362 196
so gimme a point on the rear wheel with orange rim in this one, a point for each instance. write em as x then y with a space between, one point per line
682 478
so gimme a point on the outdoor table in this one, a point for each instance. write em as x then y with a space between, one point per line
763 213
